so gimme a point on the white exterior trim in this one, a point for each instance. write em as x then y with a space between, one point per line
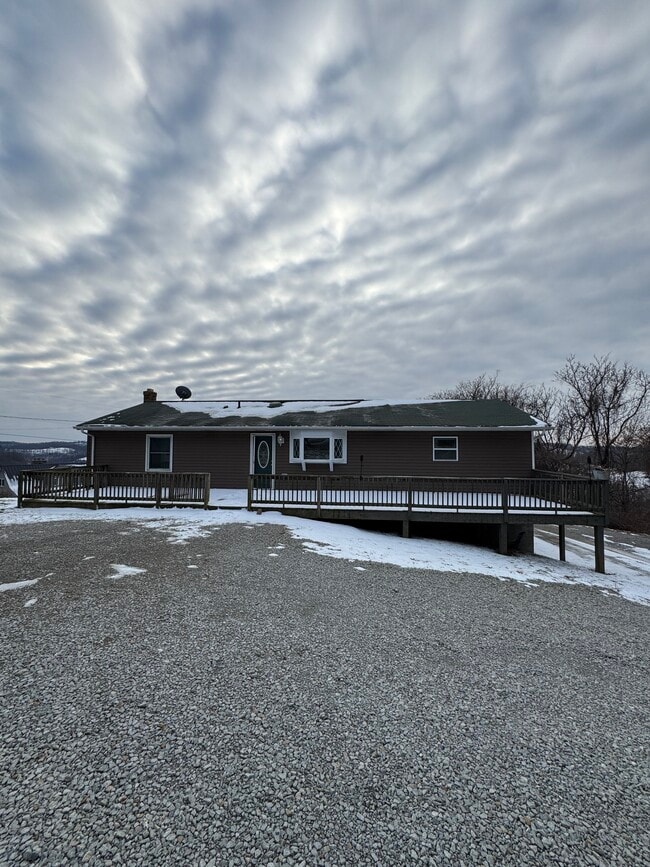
331 434
170 437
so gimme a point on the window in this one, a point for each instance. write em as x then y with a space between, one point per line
159 452
318 447
445 448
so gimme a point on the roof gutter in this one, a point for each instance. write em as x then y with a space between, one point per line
253 428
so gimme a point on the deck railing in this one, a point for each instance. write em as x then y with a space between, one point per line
88 486
413 493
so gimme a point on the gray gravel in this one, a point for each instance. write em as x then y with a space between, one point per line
294 710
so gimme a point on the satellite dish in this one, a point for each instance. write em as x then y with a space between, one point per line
183 392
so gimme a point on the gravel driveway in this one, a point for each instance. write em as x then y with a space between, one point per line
243 701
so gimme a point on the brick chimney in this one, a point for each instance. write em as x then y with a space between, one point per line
149 394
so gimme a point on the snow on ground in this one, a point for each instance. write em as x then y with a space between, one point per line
626 564
58 450
627 574
229 498
18 585
635 478
11 482
122 571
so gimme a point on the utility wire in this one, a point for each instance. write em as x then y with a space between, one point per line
42 438
38 418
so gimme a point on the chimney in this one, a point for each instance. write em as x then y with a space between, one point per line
149 395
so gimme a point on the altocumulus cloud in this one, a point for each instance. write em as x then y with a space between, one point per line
317 199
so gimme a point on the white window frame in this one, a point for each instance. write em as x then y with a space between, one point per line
91 450
301 435
149 469
444 448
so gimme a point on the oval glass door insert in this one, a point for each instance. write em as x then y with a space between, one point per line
263 455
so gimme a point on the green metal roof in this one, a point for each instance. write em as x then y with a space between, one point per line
434 414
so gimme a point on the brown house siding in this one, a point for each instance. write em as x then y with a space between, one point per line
226 454
123 451
401 453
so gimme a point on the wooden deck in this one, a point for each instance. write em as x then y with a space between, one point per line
509 503
544 499
88 487
552 497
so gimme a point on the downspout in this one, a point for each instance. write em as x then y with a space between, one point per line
532 444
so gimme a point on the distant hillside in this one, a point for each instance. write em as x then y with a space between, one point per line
50 452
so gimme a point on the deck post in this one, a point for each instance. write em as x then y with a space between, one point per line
250 493
20 490
561 537
503 538
158 491
206 491
599 548
406 528
95 489
503 526
318 496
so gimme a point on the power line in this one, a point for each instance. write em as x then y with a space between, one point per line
42 438
65 397
38 418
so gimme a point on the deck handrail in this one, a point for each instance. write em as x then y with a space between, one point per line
90 486
559 474
438 493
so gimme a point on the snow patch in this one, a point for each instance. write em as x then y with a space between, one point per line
629 579
18 585
272 409
122 571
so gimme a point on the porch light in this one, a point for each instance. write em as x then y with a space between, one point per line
280 440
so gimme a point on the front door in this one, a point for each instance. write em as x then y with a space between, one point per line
263 455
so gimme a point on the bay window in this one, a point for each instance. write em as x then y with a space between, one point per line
318 447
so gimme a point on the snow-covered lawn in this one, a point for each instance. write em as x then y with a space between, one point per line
628 572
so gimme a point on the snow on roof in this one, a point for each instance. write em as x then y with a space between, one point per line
273 408
396 413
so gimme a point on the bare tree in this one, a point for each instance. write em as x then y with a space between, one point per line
645 450
602 405
607 403
487 387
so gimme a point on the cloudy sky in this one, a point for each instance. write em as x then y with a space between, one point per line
311 198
